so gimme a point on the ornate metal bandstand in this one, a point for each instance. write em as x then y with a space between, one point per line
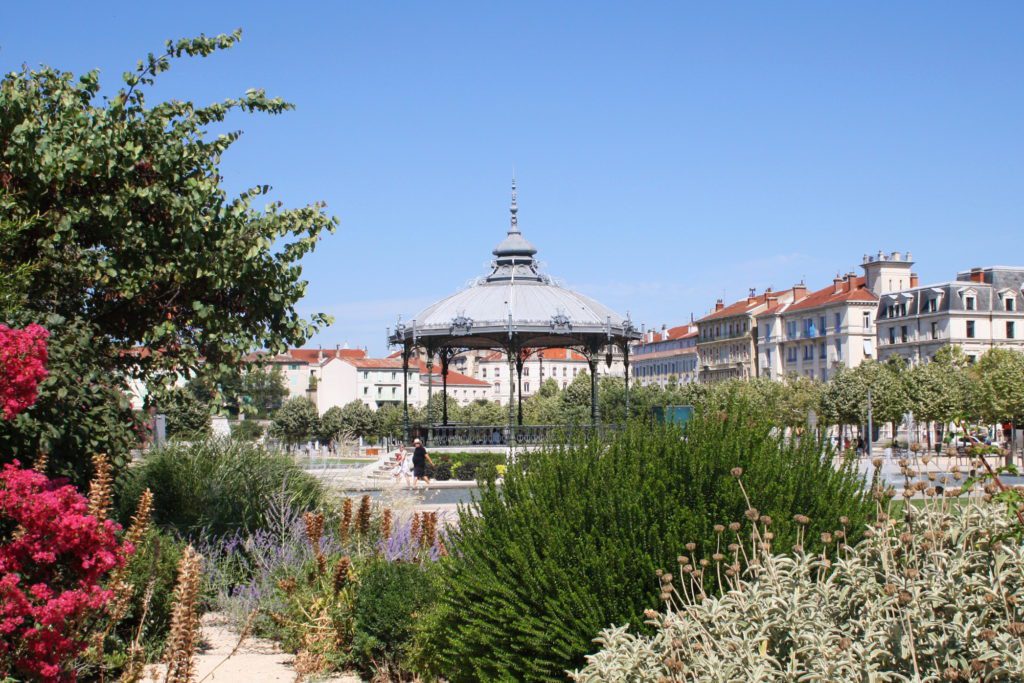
517 310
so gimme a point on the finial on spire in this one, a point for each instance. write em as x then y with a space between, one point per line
514 208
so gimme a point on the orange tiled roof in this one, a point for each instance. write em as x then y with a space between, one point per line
375 363
851 289
740 307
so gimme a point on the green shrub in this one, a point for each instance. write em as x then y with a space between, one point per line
442 471
247 430
466 471
220 486
571 541
152 573
939 599
389 596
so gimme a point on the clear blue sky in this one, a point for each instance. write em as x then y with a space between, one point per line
667 153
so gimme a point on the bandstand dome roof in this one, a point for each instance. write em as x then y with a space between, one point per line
516 305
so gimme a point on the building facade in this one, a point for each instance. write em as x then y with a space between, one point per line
982 308
726 347
665 356
561 365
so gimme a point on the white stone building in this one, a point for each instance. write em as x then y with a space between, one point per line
665 356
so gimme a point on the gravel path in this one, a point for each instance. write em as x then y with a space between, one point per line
257 659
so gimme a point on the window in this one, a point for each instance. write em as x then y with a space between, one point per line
394 390
903 334
931 306
969 303
497 387
366 390
892 335
935 330
565 370
822 353
526 388
1010 329
293 366
380 390
526 372
483 372
575 371
1008 302
821 326
867 321
809 352
394 375
970 329
791 354
824 375
839 322
839 350
366 374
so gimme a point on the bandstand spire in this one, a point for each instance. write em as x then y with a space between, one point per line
514 209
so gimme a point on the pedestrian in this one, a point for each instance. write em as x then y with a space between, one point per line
420 458
403 467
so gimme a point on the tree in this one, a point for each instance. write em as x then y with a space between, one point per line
358 419
938 390
997 386
332 425
296 421
795 397
118 209
188 416
262 391
484 412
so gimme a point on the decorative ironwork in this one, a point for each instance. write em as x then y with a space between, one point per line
461 324
560 322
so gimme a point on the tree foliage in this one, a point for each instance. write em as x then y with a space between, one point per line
117 209
297 421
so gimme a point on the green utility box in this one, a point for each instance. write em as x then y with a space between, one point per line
679 415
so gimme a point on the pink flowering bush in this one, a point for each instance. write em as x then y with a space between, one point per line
22 367
53 557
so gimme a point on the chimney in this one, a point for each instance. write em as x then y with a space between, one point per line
719 305
320 354
837 284
752 296
914 282
977 275
664 332
799 291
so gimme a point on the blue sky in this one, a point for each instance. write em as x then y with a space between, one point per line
667 154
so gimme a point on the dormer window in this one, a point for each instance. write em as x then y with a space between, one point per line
1009 303
969 303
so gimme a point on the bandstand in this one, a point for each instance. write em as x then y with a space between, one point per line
518 311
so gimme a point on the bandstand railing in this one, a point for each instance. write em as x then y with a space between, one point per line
500 435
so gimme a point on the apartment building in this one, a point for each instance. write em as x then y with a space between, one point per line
561 365
665 356
726 347
817 332
981 309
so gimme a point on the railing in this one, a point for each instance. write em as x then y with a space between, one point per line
500 435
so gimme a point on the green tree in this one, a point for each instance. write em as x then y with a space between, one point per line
484 412
117 207
358 419
997 386
297 421
939 389
795 397
332 425
188 415
262 391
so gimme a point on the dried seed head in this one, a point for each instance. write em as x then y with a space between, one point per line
845 644
752 514
877 462
719 528
666 579
802 519
844 520
768 535
342 574
704 562
906 538
691 546
101 488
988 634
905 597
869 533
682 559
733 547
718 557
908 492
766 520
659 572
734 526
912 572
798 548
826 537
889 589
839 533
736 472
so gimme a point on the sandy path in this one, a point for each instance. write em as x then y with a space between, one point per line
257 659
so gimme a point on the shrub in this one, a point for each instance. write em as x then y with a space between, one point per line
219 486
443 471
54 554
573 537
466 471
247 430
22 367
940 598
389 596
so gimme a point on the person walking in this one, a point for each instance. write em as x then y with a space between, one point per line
403 467
420 458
